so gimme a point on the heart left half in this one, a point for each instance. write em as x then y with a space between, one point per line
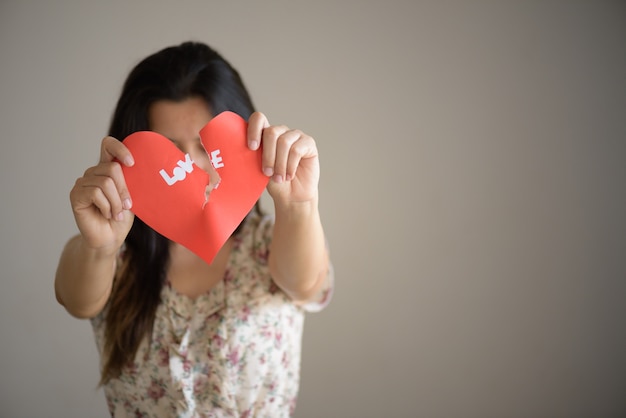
168 189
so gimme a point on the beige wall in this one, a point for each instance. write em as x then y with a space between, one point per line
473 192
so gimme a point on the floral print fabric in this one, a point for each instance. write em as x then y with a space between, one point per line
232 352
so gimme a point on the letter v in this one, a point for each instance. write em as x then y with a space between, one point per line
186 165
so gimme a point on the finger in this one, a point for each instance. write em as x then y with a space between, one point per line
100 201
304 147
286 155
111 149
256 123
101 192
84 196
269 140
114 171
112 176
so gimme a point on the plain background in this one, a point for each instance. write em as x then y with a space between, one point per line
473 192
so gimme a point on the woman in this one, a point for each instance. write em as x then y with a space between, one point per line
179 337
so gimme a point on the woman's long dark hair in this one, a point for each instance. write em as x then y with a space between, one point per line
175 73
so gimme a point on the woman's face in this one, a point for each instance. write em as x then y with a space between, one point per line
181 123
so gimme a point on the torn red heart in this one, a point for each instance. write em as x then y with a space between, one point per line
168 189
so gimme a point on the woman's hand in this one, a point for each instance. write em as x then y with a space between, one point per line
290 158
298 259
100 199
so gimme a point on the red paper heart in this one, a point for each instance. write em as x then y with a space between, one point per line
177 210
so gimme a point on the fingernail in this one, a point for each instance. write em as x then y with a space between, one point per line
120 216
278 178
127 204
268 171
254 144
128 161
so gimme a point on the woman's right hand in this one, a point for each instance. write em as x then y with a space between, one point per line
101 201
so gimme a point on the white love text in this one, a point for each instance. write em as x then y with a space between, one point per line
180 172
216 160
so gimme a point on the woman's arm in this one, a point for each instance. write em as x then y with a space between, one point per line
100 202
298 257
84 278
298 254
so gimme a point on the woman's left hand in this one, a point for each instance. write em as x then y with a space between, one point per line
298 257
290 158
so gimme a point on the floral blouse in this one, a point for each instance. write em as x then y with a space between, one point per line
232 352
